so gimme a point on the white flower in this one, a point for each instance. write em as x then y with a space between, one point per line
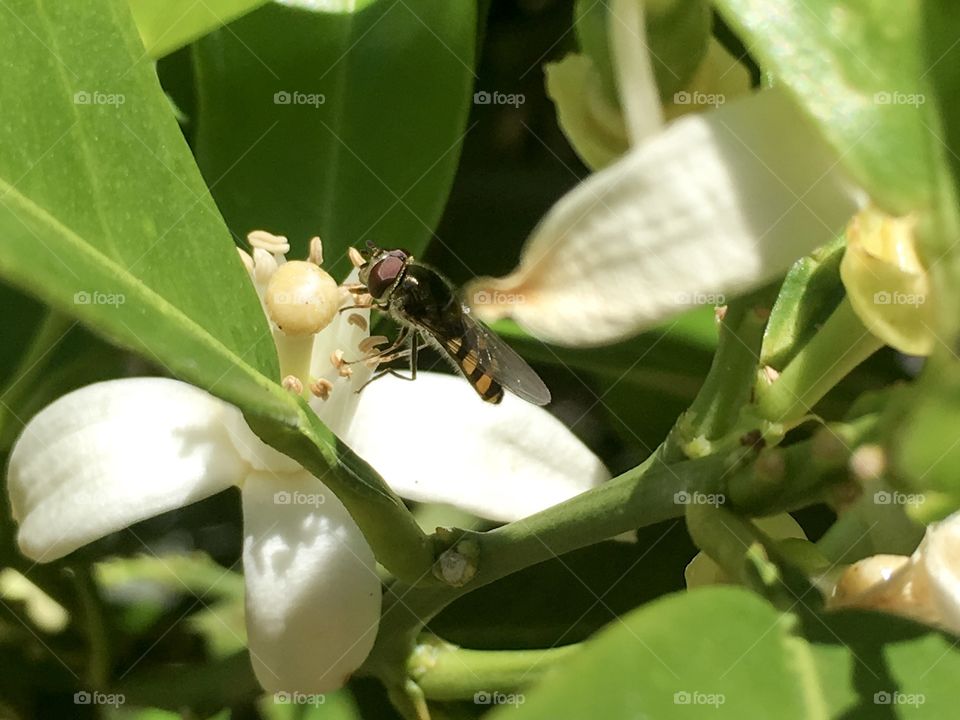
924 586
114 453
710 205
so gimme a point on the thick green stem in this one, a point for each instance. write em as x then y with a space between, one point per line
446 672
839 346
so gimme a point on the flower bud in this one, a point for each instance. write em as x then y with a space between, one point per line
888 286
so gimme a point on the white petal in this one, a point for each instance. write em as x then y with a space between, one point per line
938 557
435 440
111 454
345 333
313 596
717 204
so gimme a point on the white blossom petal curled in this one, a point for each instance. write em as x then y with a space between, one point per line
715 205
114 453
312 591
939 555
502 462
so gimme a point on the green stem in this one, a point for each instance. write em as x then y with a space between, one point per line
50 332
446 672
830 355
98 667
642 496
727 387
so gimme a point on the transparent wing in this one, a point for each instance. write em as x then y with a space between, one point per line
499 360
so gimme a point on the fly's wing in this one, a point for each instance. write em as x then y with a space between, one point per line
499 360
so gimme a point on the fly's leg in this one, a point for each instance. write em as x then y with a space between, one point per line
411 352
400 340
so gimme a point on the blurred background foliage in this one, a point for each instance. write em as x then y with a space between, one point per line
171 594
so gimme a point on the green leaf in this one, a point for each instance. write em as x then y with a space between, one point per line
343 126
723 652
858 70
809 294
103 214
169 25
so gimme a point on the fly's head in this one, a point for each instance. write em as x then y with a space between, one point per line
382 270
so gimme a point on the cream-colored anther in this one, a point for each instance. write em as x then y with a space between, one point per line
264 266
273 244
316 251
321 388
355 257
301 299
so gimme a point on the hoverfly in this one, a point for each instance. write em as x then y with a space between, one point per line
428 310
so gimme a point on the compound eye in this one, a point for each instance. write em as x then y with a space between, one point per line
382 275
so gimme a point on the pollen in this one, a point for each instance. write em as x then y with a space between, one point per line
293 384
357 319
343 369
322 388
368 344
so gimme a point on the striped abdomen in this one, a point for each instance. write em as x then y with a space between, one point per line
466 360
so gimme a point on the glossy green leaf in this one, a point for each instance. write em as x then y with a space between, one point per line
343 126
103 214
858 70
722 652
169 25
